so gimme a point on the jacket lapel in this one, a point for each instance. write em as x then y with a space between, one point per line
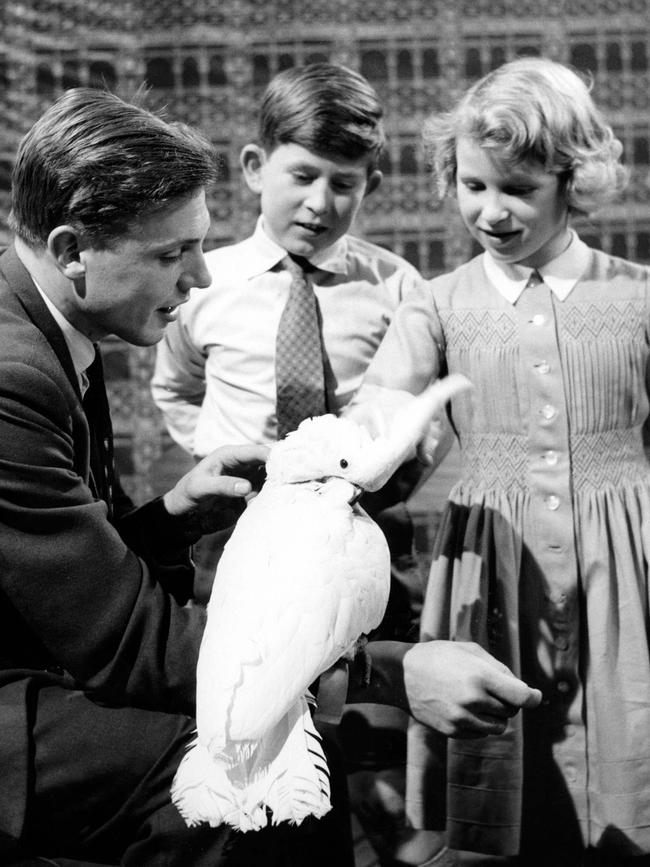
98 461
28 296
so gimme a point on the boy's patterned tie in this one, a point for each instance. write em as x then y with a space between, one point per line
299 368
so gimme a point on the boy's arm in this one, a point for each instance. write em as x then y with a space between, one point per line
178 384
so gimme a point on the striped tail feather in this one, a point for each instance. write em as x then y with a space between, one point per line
296 782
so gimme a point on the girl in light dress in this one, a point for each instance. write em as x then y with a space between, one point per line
543 552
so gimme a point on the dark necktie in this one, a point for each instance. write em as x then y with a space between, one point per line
95 404
299 358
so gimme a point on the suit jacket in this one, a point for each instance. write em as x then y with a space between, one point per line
86 601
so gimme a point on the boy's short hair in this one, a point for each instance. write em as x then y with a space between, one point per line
98 163
326 108
536 109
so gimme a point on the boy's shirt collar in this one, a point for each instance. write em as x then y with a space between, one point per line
265 254
560 274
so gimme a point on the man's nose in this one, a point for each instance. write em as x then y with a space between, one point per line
197 276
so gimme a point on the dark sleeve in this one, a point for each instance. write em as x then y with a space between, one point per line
377 675
164 543
75 594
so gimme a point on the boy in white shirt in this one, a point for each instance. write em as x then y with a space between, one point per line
320 138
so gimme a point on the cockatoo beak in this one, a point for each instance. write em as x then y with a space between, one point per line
385 454
357 493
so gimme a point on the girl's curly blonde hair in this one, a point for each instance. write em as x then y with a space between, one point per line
534 109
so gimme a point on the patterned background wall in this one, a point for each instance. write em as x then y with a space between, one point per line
207 62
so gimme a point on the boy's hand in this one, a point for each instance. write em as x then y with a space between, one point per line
462 691
213 494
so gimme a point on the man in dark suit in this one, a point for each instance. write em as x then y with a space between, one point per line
98 649
96 646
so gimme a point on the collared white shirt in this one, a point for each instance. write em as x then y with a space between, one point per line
560 274
215 370
265 254
82 350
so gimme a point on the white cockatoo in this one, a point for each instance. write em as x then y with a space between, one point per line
305 574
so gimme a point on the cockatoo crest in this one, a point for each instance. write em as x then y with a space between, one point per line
319 448
328 446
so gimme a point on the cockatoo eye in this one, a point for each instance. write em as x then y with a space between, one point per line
343 463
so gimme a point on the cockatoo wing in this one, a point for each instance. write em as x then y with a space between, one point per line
289 599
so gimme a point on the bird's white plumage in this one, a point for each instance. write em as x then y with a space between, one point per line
304 575
308 604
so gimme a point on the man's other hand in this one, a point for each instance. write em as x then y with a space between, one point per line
462 691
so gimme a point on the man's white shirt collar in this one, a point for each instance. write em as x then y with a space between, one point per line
82 350
560 274
265 254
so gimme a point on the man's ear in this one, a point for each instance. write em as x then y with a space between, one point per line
252 159
64 246
374 179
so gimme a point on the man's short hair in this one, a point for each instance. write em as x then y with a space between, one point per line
98 163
